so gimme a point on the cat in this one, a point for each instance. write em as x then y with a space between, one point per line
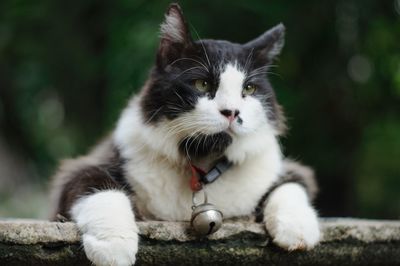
204 100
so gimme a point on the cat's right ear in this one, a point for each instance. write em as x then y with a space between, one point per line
269 45
175 36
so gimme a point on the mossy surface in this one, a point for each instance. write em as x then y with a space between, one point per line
345 242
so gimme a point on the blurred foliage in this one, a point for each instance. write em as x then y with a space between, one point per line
67 68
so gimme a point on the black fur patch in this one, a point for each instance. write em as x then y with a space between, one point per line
204 145
92 178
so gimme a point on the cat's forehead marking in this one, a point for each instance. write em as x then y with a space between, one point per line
229 92
231 78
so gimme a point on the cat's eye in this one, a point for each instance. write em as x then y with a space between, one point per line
249 89
202 85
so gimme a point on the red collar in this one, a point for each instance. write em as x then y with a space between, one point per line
200 177
195 179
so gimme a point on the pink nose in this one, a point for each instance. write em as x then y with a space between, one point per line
230 114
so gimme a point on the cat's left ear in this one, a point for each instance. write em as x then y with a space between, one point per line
269 44
175 36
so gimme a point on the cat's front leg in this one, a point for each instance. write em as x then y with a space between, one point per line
290 219
107 224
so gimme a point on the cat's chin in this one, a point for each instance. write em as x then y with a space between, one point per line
231 129
235 131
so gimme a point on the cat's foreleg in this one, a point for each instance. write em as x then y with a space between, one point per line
107 224
95 195
290 219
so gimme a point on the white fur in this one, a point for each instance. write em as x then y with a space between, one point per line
132 135
160 173
229 93
107 224
290 219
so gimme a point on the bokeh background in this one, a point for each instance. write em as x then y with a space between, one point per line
67 68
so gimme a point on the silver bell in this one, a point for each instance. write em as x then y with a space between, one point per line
206 218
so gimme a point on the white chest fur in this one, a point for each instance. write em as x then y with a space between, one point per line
162 185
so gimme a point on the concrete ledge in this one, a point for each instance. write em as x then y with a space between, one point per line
345 242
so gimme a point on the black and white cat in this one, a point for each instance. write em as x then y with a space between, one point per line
204 100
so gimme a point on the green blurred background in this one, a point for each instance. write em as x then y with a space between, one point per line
67 68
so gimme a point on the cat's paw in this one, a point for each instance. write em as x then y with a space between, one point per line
111 251
294 229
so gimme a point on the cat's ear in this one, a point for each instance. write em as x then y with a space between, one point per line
269 44
175 36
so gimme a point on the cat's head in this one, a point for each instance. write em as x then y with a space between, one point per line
208 92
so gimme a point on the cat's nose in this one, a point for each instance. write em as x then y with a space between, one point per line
230 114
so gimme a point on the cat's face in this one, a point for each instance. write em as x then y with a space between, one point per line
208 92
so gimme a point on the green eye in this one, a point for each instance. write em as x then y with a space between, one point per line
249 89
202 85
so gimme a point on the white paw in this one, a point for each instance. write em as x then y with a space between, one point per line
111 251
294 229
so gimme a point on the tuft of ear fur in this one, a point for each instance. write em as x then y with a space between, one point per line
174 27
175 36
269 44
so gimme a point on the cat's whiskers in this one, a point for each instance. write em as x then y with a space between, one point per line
263 73
204 63
264 96
184 129
257 72
263 68
190 140
186 148
214 142
190 59
187 124
179 96
203 140
202 45
183 123
186 70
196 121
180 128
205 53
174 110
212 139
153 115
194 136
249 58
